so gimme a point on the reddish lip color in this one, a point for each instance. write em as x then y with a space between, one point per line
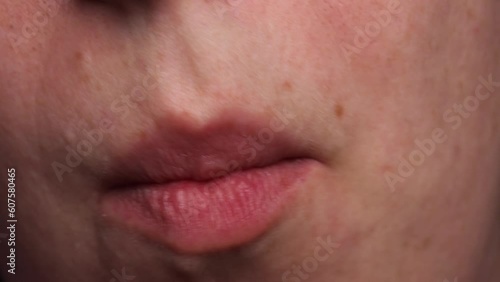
196 217
207 190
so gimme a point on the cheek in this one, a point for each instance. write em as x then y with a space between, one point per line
325 39
332 24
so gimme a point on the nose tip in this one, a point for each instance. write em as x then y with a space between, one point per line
194 104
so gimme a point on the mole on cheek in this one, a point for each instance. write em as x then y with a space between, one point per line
287 86
339 111
78 57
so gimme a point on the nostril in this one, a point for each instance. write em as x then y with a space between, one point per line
122 9
119 6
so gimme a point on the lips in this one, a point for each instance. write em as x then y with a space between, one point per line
209 189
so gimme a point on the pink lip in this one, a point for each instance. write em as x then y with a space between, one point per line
196 192
196 217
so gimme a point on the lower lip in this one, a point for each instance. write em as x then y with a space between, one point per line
198 217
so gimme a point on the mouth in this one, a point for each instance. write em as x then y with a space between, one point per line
199 192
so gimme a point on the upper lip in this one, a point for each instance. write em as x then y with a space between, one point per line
175 153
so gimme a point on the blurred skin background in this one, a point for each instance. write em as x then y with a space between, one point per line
394 102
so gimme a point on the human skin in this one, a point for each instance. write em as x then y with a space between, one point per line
202 61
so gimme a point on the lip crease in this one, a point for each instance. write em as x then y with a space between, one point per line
205 190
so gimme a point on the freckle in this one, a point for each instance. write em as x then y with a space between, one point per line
470 14
143 135
287 86
424 244
406 244
339 111
78 56
386 168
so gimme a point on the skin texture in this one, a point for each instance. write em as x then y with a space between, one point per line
361 113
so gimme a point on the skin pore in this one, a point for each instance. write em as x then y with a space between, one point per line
379 92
